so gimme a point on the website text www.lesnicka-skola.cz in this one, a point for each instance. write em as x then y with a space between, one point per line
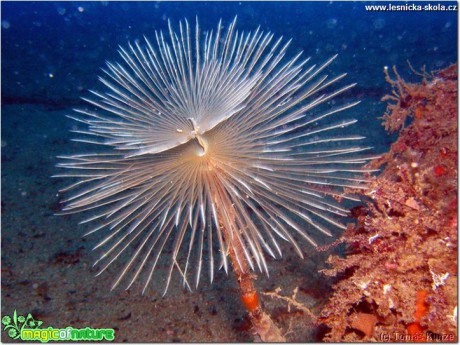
412 7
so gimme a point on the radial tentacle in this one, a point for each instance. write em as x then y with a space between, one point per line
190 124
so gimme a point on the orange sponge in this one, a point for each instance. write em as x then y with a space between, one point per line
421 309
250 301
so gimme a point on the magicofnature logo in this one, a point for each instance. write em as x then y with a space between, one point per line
28 329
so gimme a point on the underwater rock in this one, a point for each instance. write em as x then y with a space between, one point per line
401 266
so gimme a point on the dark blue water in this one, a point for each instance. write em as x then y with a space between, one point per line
71 41
52 53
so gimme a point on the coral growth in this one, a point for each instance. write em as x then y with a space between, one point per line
398 279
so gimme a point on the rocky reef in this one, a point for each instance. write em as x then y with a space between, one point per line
397 280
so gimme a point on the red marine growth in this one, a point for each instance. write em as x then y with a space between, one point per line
401 263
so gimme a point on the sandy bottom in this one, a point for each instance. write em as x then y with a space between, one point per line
46 264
